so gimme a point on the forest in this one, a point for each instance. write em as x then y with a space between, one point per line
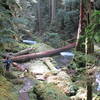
49 49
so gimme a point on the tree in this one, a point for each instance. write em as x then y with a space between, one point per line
6 25
84 42
39 16
53 11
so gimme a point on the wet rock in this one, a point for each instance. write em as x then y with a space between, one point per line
10 75
24 96
63 82
38 67
81 95
64 75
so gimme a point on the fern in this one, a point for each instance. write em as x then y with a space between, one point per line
8 30
20 20
6 25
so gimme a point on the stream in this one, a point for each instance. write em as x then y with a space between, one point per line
97 75
28 85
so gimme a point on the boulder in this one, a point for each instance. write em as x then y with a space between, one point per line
81 95
63 82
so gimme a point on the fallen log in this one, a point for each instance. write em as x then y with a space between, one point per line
25 51
22 52
18 66
42 54
50 65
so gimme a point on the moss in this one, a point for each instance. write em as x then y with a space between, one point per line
39 47
1 70
9 75
17 81
49 92
19 46
5 89
32 96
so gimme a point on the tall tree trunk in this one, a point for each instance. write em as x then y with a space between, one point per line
39 16
85 44
49 4
89 90
53 17
81 27
89 49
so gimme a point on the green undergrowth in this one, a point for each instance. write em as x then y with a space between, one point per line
49 92
80 60
53 39
39 47
6 92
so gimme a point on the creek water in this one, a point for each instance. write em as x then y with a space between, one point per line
24 91
29 41
97 75
63 59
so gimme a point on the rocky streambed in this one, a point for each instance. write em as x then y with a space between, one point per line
49 78
46 73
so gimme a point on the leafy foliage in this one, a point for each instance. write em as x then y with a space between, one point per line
96 22
5 87
6 26
20 20
53 39
93 29
80 59
8 22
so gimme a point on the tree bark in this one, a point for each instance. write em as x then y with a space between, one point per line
18 66
79 46
41 54
49 4
85 44
89 90
53 10
39 16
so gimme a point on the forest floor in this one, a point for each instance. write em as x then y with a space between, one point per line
48 78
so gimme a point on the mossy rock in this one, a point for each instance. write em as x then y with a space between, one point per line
10 75
49 92
17 82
